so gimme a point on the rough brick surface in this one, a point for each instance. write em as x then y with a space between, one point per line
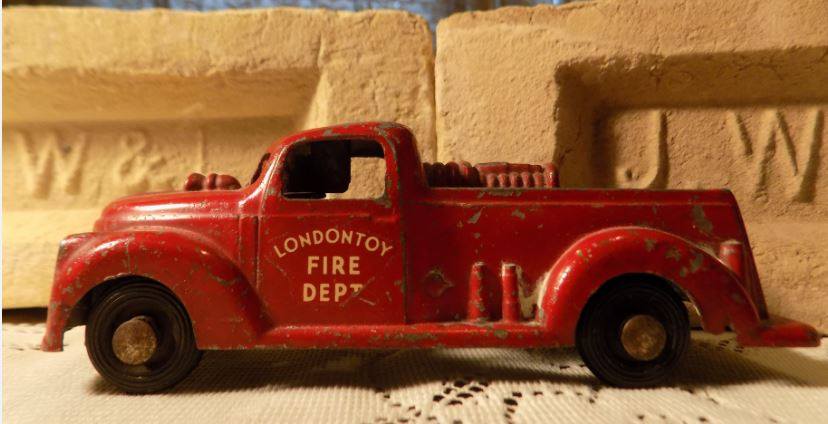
664 94
100 103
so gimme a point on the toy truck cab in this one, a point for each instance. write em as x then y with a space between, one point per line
440 255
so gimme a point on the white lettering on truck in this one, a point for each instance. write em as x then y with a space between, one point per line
332 236
322 292
332 265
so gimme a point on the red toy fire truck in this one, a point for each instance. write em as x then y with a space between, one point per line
449 255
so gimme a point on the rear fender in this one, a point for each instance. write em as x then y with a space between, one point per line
221 303
607 254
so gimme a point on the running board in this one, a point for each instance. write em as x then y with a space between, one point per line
424 335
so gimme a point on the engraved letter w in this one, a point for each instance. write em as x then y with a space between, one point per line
801 167
47 161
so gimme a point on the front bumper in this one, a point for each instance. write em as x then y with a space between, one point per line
55 325
64 294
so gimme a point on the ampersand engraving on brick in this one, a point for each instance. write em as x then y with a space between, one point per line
773 152
136 163
50 162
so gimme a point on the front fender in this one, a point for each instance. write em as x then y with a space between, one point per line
601 256
221 303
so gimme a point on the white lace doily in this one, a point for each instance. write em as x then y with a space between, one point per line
718 382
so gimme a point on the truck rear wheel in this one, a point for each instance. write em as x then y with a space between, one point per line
139 338
632 333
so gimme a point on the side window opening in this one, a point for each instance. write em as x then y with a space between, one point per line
335 169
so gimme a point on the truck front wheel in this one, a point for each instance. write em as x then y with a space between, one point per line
139 338
633 332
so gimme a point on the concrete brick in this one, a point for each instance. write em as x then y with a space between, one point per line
101 103
666 94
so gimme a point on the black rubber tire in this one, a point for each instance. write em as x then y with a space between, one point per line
176 355
598 335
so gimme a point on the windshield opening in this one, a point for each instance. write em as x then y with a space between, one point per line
259 168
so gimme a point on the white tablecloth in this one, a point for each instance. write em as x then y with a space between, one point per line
718 382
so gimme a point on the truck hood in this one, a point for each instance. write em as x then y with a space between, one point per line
168 209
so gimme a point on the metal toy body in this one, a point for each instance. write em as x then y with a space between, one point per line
451 256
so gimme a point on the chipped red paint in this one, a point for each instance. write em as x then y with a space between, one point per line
255 269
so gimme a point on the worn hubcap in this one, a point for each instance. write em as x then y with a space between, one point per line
643 337
135 341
